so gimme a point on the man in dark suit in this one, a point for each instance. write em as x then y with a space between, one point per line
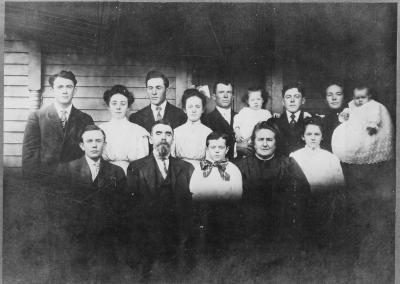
161 202
157 85
291 122
221 118
52 133
88 203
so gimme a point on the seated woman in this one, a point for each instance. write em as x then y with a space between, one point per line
325 176
126 141
275 190
190 138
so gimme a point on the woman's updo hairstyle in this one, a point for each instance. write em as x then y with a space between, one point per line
118 89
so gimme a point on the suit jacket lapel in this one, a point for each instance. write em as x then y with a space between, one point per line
55 121
149 173
84 171
219 117
148 117
168 113
71 123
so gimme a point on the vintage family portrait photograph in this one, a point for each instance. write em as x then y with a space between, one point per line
199 142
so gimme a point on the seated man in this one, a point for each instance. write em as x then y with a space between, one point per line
291 123
215 183
86 201
161 209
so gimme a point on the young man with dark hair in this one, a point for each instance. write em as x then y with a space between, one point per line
87 207
291 122
52 133
157 86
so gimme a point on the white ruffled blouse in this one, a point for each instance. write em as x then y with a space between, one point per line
126 142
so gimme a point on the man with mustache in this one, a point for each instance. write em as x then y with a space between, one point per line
161 203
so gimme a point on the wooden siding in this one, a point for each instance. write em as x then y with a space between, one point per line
95 74
16 99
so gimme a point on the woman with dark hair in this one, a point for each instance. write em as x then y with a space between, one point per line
275 190
322 168
126 141
325 176
335 100
190 138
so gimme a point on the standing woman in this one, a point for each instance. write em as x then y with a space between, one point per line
325 176
126 141
190 138
334 96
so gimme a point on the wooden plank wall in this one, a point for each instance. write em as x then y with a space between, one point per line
94 74
16 99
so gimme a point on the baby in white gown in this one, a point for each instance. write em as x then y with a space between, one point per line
366 134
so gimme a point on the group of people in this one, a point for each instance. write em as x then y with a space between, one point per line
166 181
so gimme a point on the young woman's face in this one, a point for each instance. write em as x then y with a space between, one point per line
360 97
312 136
118 106
334 96
194 108
255 100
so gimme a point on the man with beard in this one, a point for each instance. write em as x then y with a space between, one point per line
162 204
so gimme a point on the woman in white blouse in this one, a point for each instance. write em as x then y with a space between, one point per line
190 138
126 141
325 176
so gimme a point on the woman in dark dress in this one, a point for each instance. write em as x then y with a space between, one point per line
335 99
275 190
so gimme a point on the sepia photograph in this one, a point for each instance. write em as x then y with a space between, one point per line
199 142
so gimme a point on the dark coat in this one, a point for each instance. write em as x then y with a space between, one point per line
291 137
45 143
88 213
275 194
217 122
97 204
330 122
160 221
145 118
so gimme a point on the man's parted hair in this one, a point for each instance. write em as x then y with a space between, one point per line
298 85
63 74
157 74
91 127
222 81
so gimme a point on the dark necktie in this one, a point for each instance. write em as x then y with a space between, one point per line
63 118
292 120
159 117
206 166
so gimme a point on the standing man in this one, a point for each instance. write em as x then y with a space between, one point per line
291 122
221 118
162 202
157 85
52 133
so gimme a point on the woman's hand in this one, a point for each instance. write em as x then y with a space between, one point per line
344 115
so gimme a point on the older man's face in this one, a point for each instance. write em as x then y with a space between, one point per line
161 138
